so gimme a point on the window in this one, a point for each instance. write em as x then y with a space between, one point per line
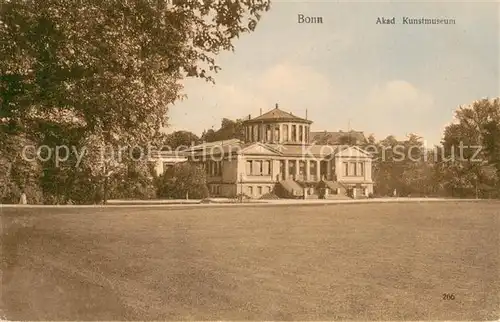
285 132
259 132
294 133
268 133
215 168
250 191
346 169
249 168
276 134
259 190
361 169
302 167
301 138
268 189
256 167
266 168
312 167
307 133
352 168
255 132
291 167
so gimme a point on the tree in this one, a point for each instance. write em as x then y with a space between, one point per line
470 150
113 65
229 130
399 165
492 143
104 72
183 179
134 181
18 174
178 139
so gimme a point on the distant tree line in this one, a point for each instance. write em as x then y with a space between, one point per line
465 165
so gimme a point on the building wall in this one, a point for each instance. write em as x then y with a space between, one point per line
242 174
257 190
226 190
356 179
234 178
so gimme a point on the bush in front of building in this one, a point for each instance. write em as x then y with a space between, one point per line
182 181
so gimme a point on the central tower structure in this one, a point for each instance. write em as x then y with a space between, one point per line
278 127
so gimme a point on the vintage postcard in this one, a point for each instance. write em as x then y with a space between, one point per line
249 160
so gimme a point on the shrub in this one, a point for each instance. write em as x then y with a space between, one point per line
181 180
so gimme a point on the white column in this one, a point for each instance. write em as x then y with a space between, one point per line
286 170
318 170
308 170
289 131
303 134
297 168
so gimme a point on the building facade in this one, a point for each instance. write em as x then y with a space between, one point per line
277 157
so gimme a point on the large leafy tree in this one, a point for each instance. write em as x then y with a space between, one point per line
181 181
105 72
111 64
471 157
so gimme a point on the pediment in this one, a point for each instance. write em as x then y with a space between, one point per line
258 149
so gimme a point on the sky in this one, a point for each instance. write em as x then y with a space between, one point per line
351 73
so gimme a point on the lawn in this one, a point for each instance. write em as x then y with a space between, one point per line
337 262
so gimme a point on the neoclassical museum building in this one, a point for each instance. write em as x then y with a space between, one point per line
278 156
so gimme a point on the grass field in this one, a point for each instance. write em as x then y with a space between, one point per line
336 262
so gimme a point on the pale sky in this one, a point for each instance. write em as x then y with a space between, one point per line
383 79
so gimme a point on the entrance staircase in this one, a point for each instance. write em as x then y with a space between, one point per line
290 189
294 189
